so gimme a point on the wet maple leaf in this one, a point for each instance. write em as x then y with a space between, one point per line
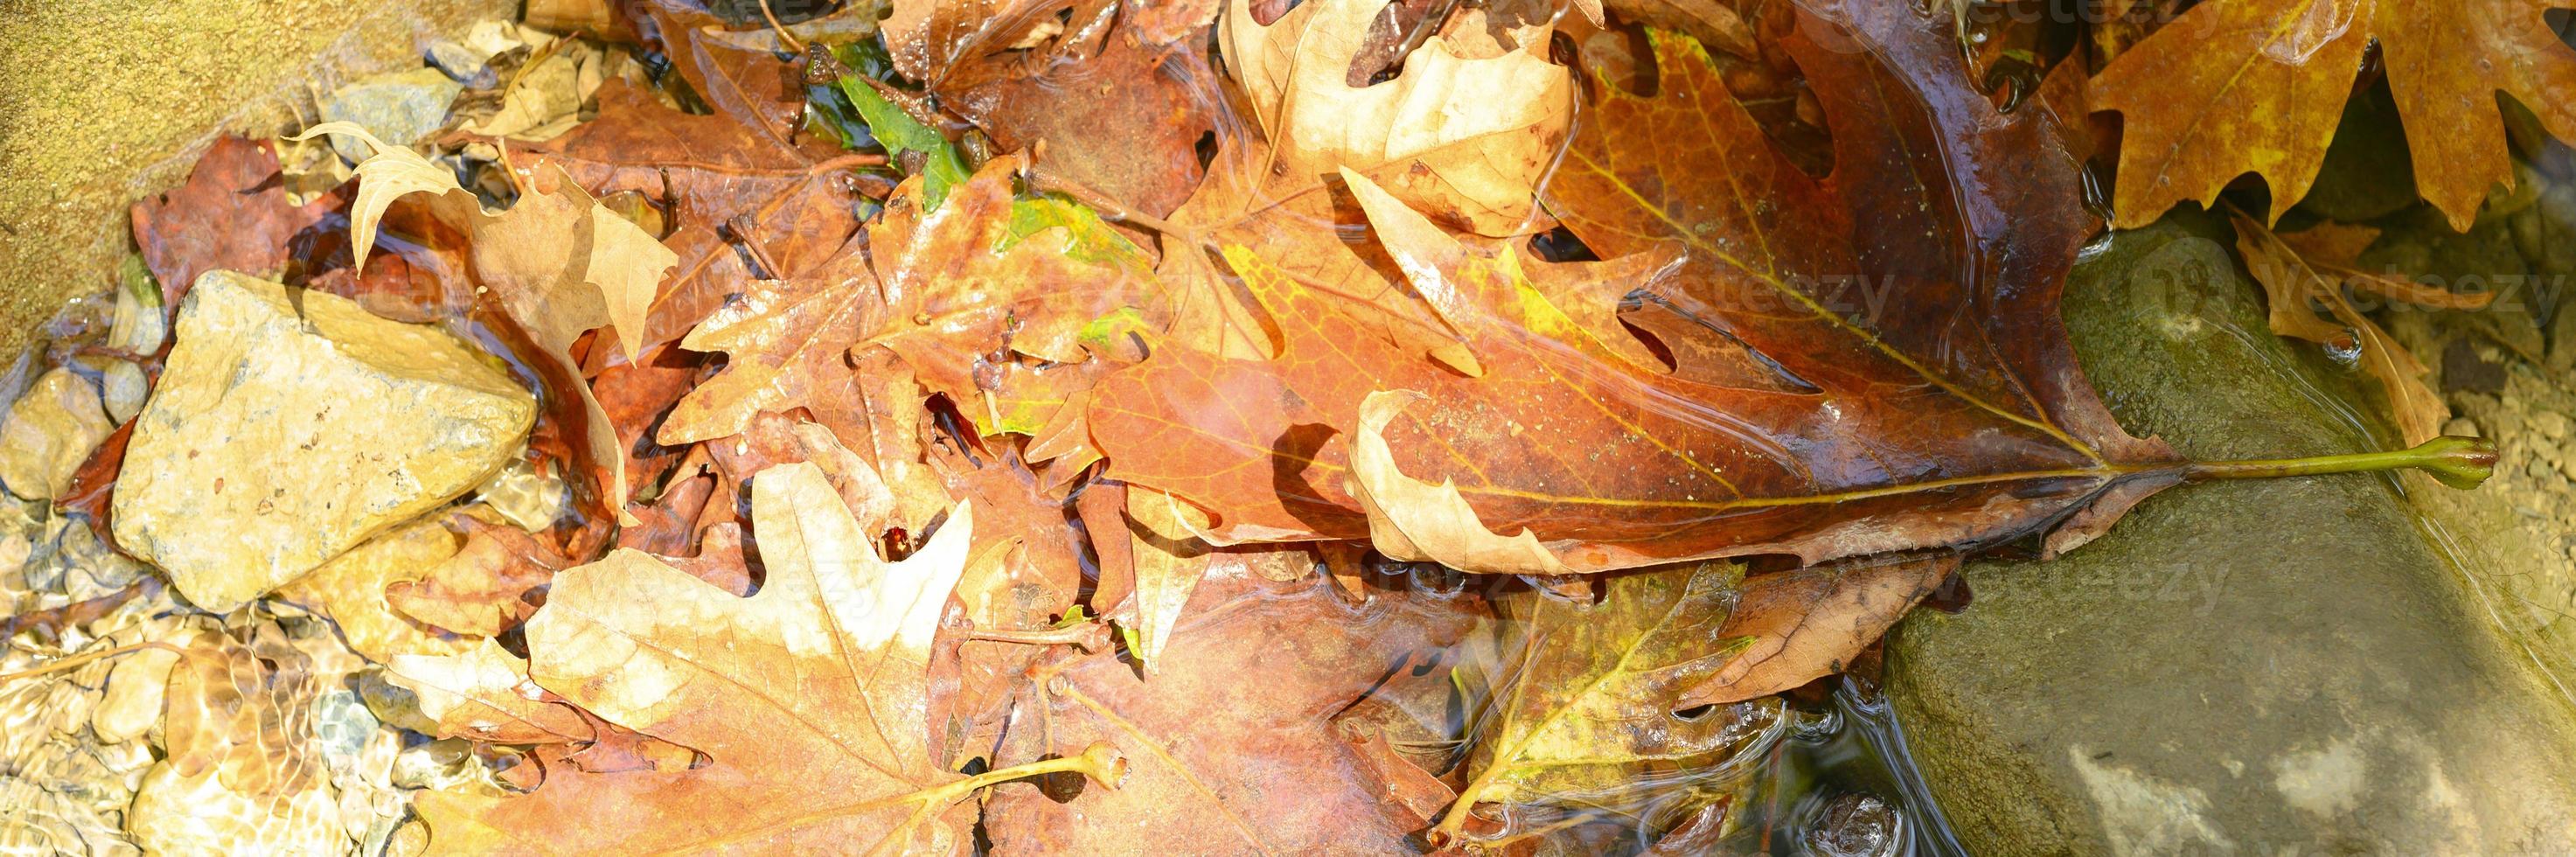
1156 87
232 214
716 172
955 291
983 276
1232 743
1948 410
806 697
2257 86
789 341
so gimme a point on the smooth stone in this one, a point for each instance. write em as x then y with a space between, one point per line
48 432
462 63
2277 666
291 426
398 107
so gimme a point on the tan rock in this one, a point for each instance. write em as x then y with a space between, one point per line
47 434
287 428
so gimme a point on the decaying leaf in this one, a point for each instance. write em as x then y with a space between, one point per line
2295 287
1794 627
807 697
2257 86
486 587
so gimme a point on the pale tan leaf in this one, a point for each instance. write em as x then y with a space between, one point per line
1410 519
1484 130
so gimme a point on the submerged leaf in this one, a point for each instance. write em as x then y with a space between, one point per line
1582 699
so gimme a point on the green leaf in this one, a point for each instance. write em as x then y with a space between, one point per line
1093 240
942 168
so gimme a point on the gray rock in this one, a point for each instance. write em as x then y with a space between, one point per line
288 427
398 108
2263 667
462 63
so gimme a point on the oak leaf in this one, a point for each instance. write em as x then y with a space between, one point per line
2257 86
806 697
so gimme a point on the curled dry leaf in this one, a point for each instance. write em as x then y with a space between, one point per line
2257 86
807 697
1468 137
1169 560
1413 520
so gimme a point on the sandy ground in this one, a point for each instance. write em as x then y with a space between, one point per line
103 101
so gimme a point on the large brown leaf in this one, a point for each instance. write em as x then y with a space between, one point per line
2257 86
1868 362
807 697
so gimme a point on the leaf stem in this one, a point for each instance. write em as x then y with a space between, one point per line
69 662
2459 462
1100 761
1088 636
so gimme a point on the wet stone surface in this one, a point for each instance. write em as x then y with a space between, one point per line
2260 667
